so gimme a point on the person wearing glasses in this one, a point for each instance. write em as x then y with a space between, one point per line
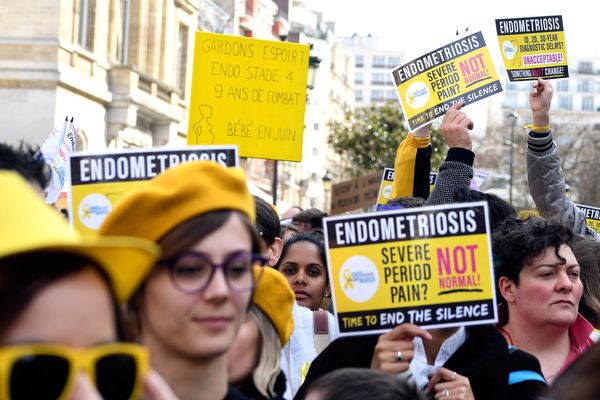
189 310
62 335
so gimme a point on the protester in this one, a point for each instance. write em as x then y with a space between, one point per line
62 334
288 229
310 221
539 279
580 380
191 307
304 265
269 228
587 253
544 173
25 160
361 383
253 365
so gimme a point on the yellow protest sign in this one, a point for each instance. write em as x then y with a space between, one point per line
533 47
524 214
100 179
430 84
385 188
249 92
429 266
592 216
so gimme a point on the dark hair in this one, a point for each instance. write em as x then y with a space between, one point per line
23 276
407 202
303 237
499 209
26 161
364 383
587 253
516 242
580 380
267 221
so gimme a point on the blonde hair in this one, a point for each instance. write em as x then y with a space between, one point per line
268 368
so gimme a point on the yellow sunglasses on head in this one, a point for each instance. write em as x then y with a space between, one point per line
47 371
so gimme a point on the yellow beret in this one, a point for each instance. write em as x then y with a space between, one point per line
177 195
275 298
28 224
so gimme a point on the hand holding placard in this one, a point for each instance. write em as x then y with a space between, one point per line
455 127
395 349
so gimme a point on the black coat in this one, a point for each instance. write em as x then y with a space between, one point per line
484 358
250 390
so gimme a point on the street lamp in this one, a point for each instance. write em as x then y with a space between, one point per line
514 117
327 189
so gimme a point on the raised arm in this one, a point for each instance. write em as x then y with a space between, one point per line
412 165
544 173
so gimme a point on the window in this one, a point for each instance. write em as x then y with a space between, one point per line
316 126
182 41
391 95
358 78
87 19
315 151
585 67
377 95
587 103
378 61
562 85
359 95
565 102
378 79
123 31
393 61
586 85
359 61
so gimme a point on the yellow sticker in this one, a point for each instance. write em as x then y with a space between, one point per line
428 266
533 47
100 180
249 92
459 71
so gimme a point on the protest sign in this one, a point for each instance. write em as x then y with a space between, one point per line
355 194
592 216
526 213
385 188
430 84
249 92
429 266
99 180
533 47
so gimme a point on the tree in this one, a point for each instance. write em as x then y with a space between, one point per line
368 137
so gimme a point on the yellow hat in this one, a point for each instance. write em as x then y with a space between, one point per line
275 298
176 195
27 224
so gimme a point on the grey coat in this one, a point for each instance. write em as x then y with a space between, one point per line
547 185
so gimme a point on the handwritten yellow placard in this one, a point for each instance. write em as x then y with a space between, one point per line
430 84
533 47
251 93
429 266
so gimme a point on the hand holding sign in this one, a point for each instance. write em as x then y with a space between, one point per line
540 99
449 384
394 350
455 127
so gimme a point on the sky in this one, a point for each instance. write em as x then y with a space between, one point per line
417 27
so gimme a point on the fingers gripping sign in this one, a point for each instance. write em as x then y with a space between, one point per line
456 127
395 349
448 385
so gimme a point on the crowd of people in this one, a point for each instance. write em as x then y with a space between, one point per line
195 289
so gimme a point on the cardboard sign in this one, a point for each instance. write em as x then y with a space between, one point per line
533 47
385 188
592 216
249 92
429 266
355 194
429 85
99 180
